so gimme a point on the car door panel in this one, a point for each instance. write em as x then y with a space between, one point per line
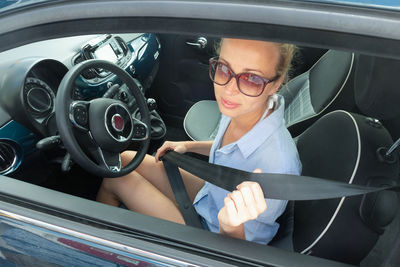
182 79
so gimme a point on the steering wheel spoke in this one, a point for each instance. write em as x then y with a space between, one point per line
110 160
140 130
106 159
79 114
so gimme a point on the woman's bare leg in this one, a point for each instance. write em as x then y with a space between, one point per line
147 189
141 196
155 174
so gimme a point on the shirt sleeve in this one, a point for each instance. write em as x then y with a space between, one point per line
265 227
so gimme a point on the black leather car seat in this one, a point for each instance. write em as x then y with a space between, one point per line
344 147
350 148
307 97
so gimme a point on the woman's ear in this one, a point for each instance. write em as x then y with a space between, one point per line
276 85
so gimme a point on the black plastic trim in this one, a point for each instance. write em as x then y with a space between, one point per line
312 24
300 36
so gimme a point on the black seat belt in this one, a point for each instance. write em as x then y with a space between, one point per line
275 186
178 187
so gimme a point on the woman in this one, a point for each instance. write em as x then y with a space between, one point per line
251 137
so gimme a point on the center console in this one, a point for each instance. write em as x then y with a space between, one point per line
138 56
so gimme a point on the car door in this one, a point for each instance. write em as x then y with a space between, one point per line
182 79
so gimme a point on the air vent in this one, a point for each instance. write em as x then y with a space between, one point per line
88 73
122 44
8 157
78 59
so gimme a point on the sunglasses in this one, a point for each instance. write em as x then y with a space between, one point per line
249 84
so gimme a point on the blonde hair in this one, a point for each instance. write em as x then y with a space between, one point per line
286 51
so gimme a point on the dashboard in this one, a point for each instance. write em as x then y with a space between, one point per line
30 76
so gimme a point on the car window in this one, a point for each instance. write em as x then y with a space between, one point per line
335 113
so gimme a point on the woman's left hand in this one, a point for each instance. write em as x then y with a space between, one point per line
242 205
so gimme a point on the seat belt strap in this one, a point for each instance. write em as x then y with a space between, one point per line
178 187
275 186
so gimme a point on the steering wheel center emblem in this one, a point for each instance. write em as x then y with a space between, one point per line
117 122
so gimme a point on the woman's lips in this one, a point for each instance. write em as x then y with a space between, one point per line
228 104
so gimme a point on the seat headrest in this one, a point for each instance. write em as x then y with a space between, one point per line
377 86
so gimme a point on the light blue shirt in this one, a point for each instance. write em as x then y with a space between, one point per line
268 146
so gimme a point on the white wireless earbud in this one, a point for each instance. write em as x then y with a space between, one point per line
272 99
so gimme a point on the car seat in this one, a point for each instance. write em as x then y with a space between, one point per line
347 229
307 96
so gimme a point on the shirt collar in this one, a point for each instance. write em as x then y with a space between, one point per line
263 129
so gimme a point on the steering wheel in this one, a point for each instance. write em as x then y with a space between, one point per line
104 127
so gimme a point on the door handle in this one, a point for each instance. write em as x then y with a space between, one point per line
200 43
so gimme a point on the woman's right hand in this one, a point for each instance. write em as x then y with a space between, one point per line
179 147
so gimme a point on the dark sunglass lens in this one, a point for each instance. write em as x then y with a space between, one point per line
251 84
220 73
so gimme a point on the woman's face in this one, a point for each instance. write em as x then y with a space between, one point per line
256 57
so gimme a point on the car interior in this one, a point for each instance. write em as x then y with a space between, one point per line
304 100
340 107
